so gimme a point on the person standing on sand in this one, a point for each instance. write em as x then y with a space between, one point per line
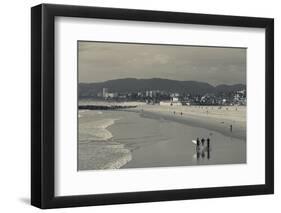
197 142
197 145
202 141
230 127
208 144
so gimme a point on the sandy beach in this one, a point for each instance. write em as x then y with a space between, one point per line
216 118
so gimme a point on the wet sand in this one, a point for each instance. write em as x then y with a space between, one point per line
173 145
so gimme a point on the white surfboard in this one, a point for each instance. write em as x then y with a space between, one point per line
194 141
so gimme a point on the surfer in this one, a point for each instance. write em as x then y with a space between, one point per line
202 141
208 143
197 142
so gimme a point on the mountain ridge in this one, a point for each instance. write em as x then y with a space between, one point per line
168 85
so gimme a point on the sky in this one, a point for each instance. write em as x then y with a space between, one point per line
102 61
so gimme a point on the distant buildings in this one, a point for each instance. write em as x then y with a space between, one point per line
104 92
176 99
173 102
239 97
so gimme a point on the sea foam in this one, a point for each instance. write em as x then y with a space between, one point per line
102 155
96 130
97 149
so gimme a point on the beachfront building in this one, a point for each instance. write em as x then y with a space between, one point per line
111 95
108 95
173 102
239 98
104 92
175 99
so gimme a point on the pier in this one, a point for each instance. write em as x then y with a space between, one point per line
104 107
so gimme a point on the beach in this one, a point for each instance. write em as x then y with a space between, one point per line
160 136
217 118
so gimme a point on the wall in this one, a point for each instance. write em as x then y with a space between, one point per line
15 105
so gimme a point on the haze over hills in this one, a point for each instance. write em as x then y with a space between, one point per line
142 85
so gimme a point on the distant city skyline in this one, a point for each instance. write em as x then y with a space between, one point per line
103 61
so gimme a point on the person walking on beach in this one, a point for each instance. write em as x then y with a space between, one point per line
202 141
208 144
197 144
230 127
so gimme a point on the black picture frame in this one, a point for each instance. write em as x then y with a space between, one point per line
43 105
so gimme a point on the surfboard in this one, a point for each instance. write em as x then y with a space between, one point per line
194 141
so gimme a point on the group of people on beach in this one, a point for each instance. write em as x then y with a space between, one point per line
202 143
203 148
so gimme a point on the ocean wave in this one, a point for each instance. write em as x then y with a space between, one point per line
103 155
97 149
96 130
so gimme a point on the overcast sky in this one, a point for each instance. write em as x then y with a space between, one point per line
99 61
